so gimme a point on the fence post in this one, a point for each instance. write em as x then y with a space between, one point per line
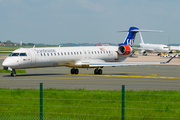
123 102
41 101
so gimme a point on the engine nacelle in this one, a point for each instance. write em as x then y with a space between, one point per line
125 50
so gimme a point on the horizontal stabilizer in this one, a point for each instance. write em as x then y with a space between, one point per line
140 30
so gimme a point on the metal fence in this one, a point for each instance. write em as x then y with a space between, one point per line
32 104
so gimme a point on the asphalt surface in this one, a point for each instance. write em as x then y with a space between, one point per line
154 77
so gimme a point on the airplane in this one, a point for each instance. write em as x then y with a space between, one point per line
95 57
152 48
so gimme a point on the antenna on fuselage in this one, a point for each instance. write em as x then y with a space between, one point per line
34 46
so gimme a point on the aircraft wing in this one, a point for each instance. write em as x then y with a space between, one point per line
128 63
102 63
122 64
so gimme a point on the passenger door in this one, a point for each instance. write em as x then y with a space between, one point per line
33 56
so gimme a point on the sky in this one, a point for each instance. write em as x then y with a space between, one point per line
88 21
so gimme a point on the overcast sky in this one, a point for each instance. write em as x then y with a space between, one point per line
88 21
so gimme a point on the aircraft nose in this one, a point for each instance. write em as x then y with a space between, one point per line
5 63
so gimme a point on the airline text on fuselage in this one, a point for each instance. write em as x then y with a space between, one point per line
45 50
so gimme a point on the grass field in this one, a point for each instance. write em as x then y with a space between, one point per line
8 71
88 104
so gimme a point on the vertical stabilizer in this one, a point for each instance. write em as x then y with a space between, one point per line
141 37
129 40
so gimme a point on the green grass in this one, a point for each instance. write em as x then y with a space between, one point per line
88 104
8 71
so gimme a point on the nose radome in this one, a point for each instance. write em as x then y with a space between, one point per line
5 63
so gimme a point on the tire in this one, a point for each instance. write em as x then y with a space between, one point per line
73 71
13 74
100 72
96 71
76 71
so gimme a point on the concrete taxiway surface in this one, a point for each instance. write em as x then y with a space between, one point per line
154 77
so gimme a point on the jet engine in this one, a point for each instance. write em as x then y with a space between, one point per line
125 50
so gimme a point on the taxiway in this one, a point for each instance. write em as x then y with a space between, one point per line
152 77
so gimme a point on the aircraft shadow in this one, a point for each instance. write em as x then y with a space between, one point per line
33 75
52 74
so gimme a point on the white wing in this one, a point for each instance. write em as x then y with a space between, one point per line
121 64
101 63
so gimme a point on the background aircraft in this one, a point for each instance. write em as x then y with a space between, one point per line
152 48
75 57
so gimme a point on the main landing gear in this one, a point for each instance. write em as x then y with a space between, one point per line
97 71
74 71
13 74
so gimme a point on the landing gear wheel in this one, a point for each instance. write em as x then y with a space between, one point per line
74 71
98 71
13 74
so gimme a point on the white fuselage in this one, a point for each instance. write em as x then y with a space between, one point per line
154 48
62 56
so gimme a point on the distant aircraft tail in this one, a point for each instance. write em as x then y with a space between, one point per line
141 37
129 40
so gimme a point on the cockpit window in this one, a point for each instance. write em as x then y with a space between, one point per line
15 54
23 54
10 54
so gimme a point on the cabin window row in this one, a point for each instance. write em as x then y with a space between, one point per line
62 53
74 53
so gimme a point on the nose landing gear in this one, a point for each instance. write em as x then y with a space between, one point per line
13 74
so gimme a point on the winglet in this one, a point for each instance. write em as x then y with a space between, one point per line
169 59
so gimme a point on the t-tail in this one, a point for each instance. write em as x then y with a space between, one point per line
129 40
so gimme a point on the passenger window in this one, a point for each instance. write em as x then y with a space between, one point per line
61 53
106 51
23 54
44 54
41 54
51 54
48 54
55 54
58 54
71 53
64 53
74 53
95 52
80 53
98 52
77 53
92 52
15 54
68 53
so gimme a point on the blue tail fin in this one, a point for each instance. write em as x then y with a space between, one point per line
129 40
